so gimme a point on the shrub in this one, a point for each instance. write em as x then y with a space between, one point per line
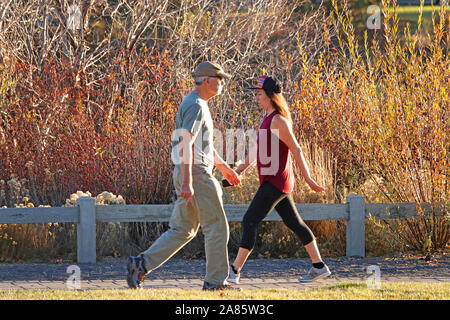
384 114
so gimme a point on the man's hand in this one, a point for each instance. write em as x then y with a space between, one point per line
186 191
231 176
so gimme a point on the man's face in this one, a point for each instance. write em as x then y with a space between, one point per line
215 84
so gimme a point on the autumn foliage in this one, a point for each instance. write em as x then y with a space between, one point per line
65 134
385 115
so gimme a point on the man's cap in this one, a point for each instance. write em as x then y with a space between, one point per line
269 84
210 69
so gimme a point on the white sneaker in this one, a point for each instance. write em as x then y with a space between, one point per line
233 277
315 274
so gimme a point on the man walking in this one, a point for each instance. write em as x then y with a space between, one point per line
199 194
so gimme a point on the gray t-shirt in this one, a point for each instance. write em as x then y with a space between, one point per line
193 115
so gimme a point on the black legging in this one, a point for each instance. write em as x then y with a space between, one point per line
267 197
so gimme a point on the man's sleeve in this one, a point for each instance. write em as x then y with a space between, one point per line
192 119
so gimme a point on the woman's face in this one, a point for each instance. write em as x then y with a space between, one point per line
263 100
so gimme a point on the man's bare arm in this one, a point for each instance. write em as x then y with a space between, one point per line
186 160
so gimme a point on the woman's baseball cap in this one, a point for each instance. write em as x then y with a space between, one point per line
269 84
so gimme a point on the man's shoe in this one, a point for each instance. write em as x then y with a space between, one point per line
214 287
232 276
315 274
136 272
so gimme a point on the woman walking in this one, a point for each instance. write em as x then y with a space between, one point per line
275 143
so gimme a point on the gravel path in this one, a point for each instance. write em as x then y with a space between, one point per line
260 273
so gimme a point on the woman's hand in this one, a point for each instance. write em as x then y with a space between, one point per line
231 176
314 186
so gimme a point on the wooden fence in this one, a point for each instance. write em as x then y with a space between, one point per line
86 214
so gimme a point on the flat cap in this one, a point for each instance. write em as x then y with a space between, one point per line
210 69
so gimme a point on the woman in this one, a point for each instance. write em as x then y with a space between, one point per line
276 142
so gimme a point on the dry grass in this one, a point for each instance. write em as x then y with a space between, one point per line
343 291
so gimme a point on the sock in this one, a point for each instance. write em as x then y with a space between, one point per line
318 265
234 269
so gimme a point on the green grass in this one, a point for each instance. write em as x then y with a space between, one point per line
411 14
343 291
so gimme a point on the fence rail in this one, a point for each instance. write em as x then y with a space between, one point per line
86 214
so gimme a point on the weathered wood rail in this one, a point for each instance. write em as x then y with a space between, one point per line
86 214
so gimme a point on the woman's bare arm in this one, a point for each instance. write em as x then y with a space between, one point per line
281 127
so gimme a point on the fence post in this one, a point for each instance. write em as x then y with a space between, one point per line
86 231
355 226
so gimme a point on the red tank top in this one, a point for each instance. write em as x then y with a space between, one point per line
273 158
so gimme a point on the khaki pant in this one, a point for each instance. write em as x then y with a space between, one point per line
205 209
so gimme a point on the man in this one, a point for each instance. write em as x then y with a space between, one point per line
199 194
